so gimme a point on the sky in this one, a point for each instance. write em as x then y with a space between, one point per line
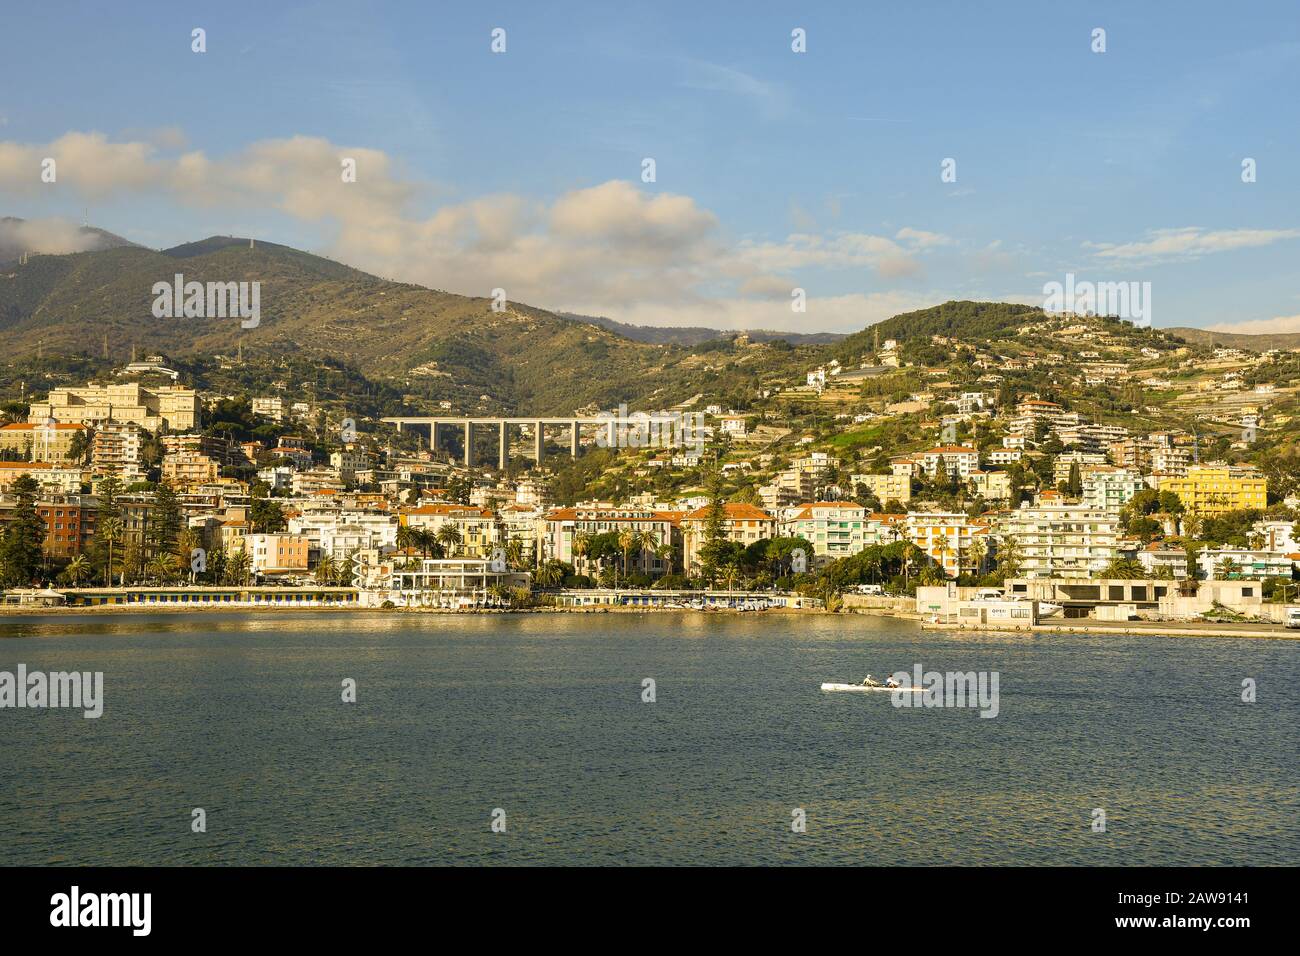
910 154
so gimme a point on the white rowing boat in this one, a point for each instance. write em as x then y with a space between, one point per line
866 687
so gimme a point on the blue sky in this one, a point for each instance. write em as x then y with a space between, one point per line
774 169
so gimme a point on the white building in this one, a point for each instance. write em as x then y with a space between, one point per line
1062 541
1108 487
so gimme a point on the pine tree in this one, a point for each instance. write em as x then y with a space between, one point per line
165 522
21 549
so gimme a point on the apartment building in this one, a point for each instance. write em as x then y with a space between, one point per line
948 538
118 450
57 479
742 523
562 526
1062 541
1227 564
885 488
478 528
956 461
69 525
41 442
1064 462
188 469
171 406
340 533
990 485
1208 490
1159 559
278 554
1105 486
835 529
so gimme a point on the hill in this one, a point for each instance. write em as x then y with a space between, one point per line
428 345
1238 340
695 334
18 236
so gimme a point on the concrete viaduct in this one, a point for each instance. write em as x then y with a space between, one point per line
470 426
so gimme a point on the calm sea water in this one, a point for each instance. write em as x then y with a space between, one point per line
541 716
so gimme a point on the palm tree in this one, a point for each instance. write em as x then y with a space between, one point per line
162 567
110 529
186 542
1009 558
1124 569
979 552
943 552
78 570
628 541
581 547
731 574
1227 568
238 567
405 537
326 569
549 574
514 552
666 553
449 537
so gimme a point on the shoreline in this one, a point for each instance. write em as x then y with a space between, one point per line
1254 631
1136 629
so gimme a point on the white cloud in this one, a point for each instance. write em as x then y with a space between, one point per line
1279 324
607 249
1188 243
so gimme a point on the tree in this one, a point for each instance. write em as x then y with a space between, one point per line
108 531
165 522
714 526
1009 558
21 550
78 570
1227 568
1124 569
163 567
449 537
326 569
238 567
550 573
81 445
265 516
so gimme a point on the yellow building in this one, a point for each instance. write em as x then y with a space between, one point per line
41 442
886 488
172 406
478 529
1207 490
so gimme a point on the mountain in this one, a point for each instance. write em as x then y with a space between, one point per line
51 237
1239 340
429 345
694 334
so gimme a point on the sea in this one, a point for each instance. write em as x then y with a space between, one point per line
664 738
